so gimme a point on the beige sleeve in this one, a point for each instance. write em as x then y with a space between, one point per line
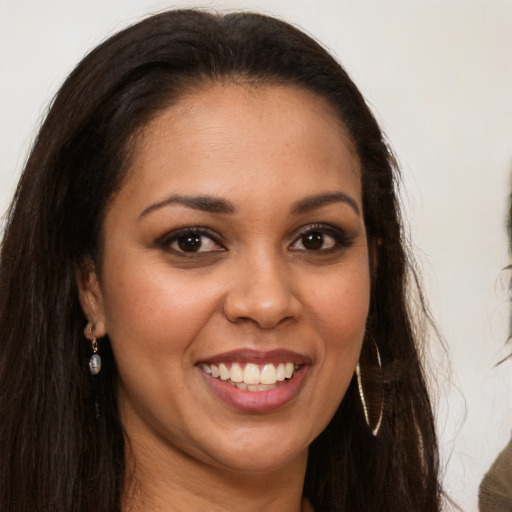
495 494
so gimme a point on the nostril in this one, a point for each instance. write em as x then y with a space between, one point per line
261 294
265 316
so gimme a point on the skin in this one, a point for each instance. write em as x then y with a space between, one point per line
255 283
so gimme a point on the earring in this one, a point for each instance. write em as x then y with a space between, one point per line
372 422
95 360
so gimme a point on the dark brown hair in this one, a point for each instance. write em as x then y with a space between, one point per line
58 454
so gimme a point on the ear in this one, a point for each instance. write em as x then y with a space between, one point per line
91 300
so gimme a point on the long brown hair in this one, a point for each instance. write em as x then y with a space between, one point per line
61 437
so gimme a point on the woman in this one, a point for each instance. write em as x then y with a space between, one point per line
203 287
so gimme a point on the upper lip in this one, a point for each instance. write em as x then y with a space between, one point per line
247 355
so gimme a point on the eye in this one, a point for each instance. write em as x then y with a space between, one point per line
320 238
191 240
313 241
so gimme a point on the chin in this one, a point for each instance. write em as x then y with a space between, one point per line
262 462
262 452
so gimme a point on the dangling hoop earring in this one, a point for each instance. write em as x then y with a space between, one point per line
95 360
376 426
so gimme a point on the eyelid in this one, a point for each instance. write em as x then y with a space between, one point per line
341 237
168 238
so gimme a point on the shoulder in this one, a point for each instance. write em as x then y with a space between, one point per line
495 493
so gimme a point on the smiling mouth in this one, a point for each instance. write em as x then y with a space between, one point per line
250 376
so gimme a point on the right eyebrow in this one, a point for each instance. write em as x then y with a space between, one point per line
207 204
311 203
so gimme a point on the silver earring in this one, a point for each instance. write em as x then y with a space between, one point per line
95 360
376 426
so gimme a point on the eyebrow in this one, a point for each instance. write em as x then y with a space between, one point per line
203 203
317 201
214 205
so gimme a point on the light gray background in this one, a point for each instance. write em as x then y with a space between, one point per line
438 75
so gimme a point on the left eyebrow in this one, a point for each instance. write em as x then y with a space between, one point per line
317 201
203 203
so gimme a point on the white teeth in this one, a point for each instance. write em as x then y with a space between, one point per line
224 372
206 368
237 374
215 371
251 374
251 377
253 387
268 374
281 372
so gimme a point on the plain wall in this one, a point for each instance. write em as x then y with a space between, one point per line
438 75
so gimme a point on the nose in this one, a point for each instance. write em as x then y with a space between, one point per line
262 292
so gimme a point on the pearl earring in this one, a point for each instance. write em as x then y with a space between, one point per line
95 360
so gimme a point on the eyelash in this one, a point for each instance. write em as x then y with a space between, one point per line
340 239
166 241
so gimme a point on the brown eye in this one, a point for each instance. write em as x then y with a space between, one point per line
189 243
313 240
316 239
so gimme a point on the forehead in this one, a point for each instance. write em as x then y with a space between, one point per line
224 136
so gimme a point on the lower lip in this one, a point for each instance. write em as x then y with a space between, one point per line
257 401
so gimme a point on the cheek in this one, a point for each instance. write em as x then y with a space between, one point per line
340 309
155 311
341 306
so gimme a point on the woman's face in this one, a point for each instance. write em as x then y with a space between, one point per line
235 278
